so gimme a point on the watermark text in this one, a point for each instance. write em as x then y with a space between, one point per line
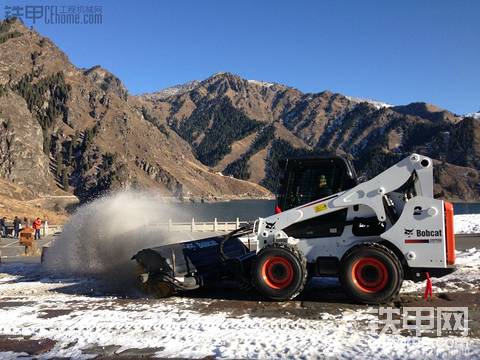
420 320
57 14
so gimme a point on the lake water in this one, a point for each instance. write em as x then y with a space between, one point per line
466 208
252 209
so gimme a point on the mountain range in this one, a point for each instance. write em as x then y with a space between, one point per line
258 123
66 130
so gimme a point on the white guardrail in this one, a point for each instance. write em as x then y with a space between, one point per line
200 226
192 226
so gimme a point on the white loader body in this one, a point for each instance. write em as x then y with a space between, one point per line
419 232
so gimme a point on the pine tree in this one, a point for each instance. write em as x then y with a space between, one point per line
46 142
88 138
76 138
59 160
70 152
65 179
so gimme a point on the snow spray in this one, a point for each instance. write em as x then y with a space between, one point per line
103 235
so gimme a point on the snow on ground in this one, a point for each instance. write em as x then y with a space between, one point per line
467 224
59 310
465 278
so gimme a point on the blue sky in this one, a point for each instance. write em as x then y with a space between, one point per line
395 51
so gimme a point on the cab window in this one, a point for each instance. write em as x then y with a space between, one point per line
309 180
310 184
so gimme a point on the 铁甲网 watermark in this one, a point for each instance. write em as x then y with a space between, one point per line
420 320
57 14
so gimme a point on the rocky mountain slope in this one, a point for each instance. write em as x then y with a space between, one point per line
17 200
242 127
70 130
67 130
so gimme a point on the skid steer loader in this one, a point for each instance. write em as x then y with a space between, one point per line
371 235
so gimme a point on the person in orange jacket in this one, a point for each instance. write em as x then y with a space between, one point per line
37 225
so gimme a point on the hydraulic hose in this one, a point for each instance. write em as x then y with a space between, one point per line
247 229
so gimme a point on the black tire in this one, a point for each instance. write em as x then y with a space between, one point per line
371 274
279 272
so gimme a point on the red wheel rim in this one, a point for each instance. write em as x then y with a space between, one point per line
369 274
277 272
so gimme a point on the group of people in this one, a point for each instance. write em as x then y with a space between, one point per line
19 224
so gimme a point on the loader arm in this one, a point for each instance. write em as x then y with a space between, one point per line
371 193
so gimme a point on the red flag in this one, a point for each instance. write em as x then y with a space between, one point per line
428 288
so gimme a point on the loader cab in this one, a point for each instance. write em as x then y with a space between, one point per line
308 179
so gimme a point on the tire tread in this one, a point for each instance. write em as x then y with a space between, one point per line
297 254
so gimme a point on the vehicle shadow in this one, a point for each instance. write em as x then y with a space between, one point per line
324 290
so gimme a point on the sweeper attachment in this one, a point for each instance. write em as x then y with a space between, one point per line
371 235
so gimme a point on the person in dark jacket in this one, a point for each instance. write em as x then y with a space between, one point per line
3 226
16 226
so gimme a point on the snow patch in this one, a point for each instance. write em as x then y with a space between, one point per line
467 224
375 103
173 90
475 115
465 278
261 83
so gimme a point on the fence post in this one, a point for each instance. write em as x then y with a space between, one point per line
193 225
45 227
169 225
237 224
215 227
